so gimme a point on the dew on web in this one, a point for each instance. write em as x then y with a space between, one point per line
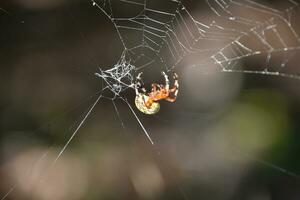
216 130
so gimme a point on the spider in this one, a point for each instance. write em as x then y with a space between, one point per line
148 102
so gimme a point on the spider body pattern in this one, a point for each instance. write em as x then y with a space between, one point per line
148 103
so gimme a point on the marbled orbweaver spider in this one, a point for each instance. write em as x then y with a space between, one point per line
148 103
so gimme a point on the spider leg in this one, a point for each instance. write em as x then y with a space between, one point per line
139 85
139 76
175 93
170 99
148 103
167 86
174 89
154 87
138 82
144 100
151 99
176 85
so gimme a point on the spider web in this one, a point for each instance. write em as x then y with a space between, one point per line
169 36
164 37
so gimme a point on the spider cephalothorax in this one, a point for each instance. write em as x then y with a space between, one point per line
148 102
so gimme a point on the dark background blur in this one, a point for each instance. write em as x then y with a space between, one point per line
229 135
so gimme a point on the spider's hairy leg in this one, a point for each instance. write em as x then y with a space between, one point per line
175 77
138 83
174 89
140 86
139 76
173 99
176 84
167 86
154 87
170 99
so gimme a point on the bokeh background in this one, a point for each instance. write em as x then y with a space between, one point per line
229 135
